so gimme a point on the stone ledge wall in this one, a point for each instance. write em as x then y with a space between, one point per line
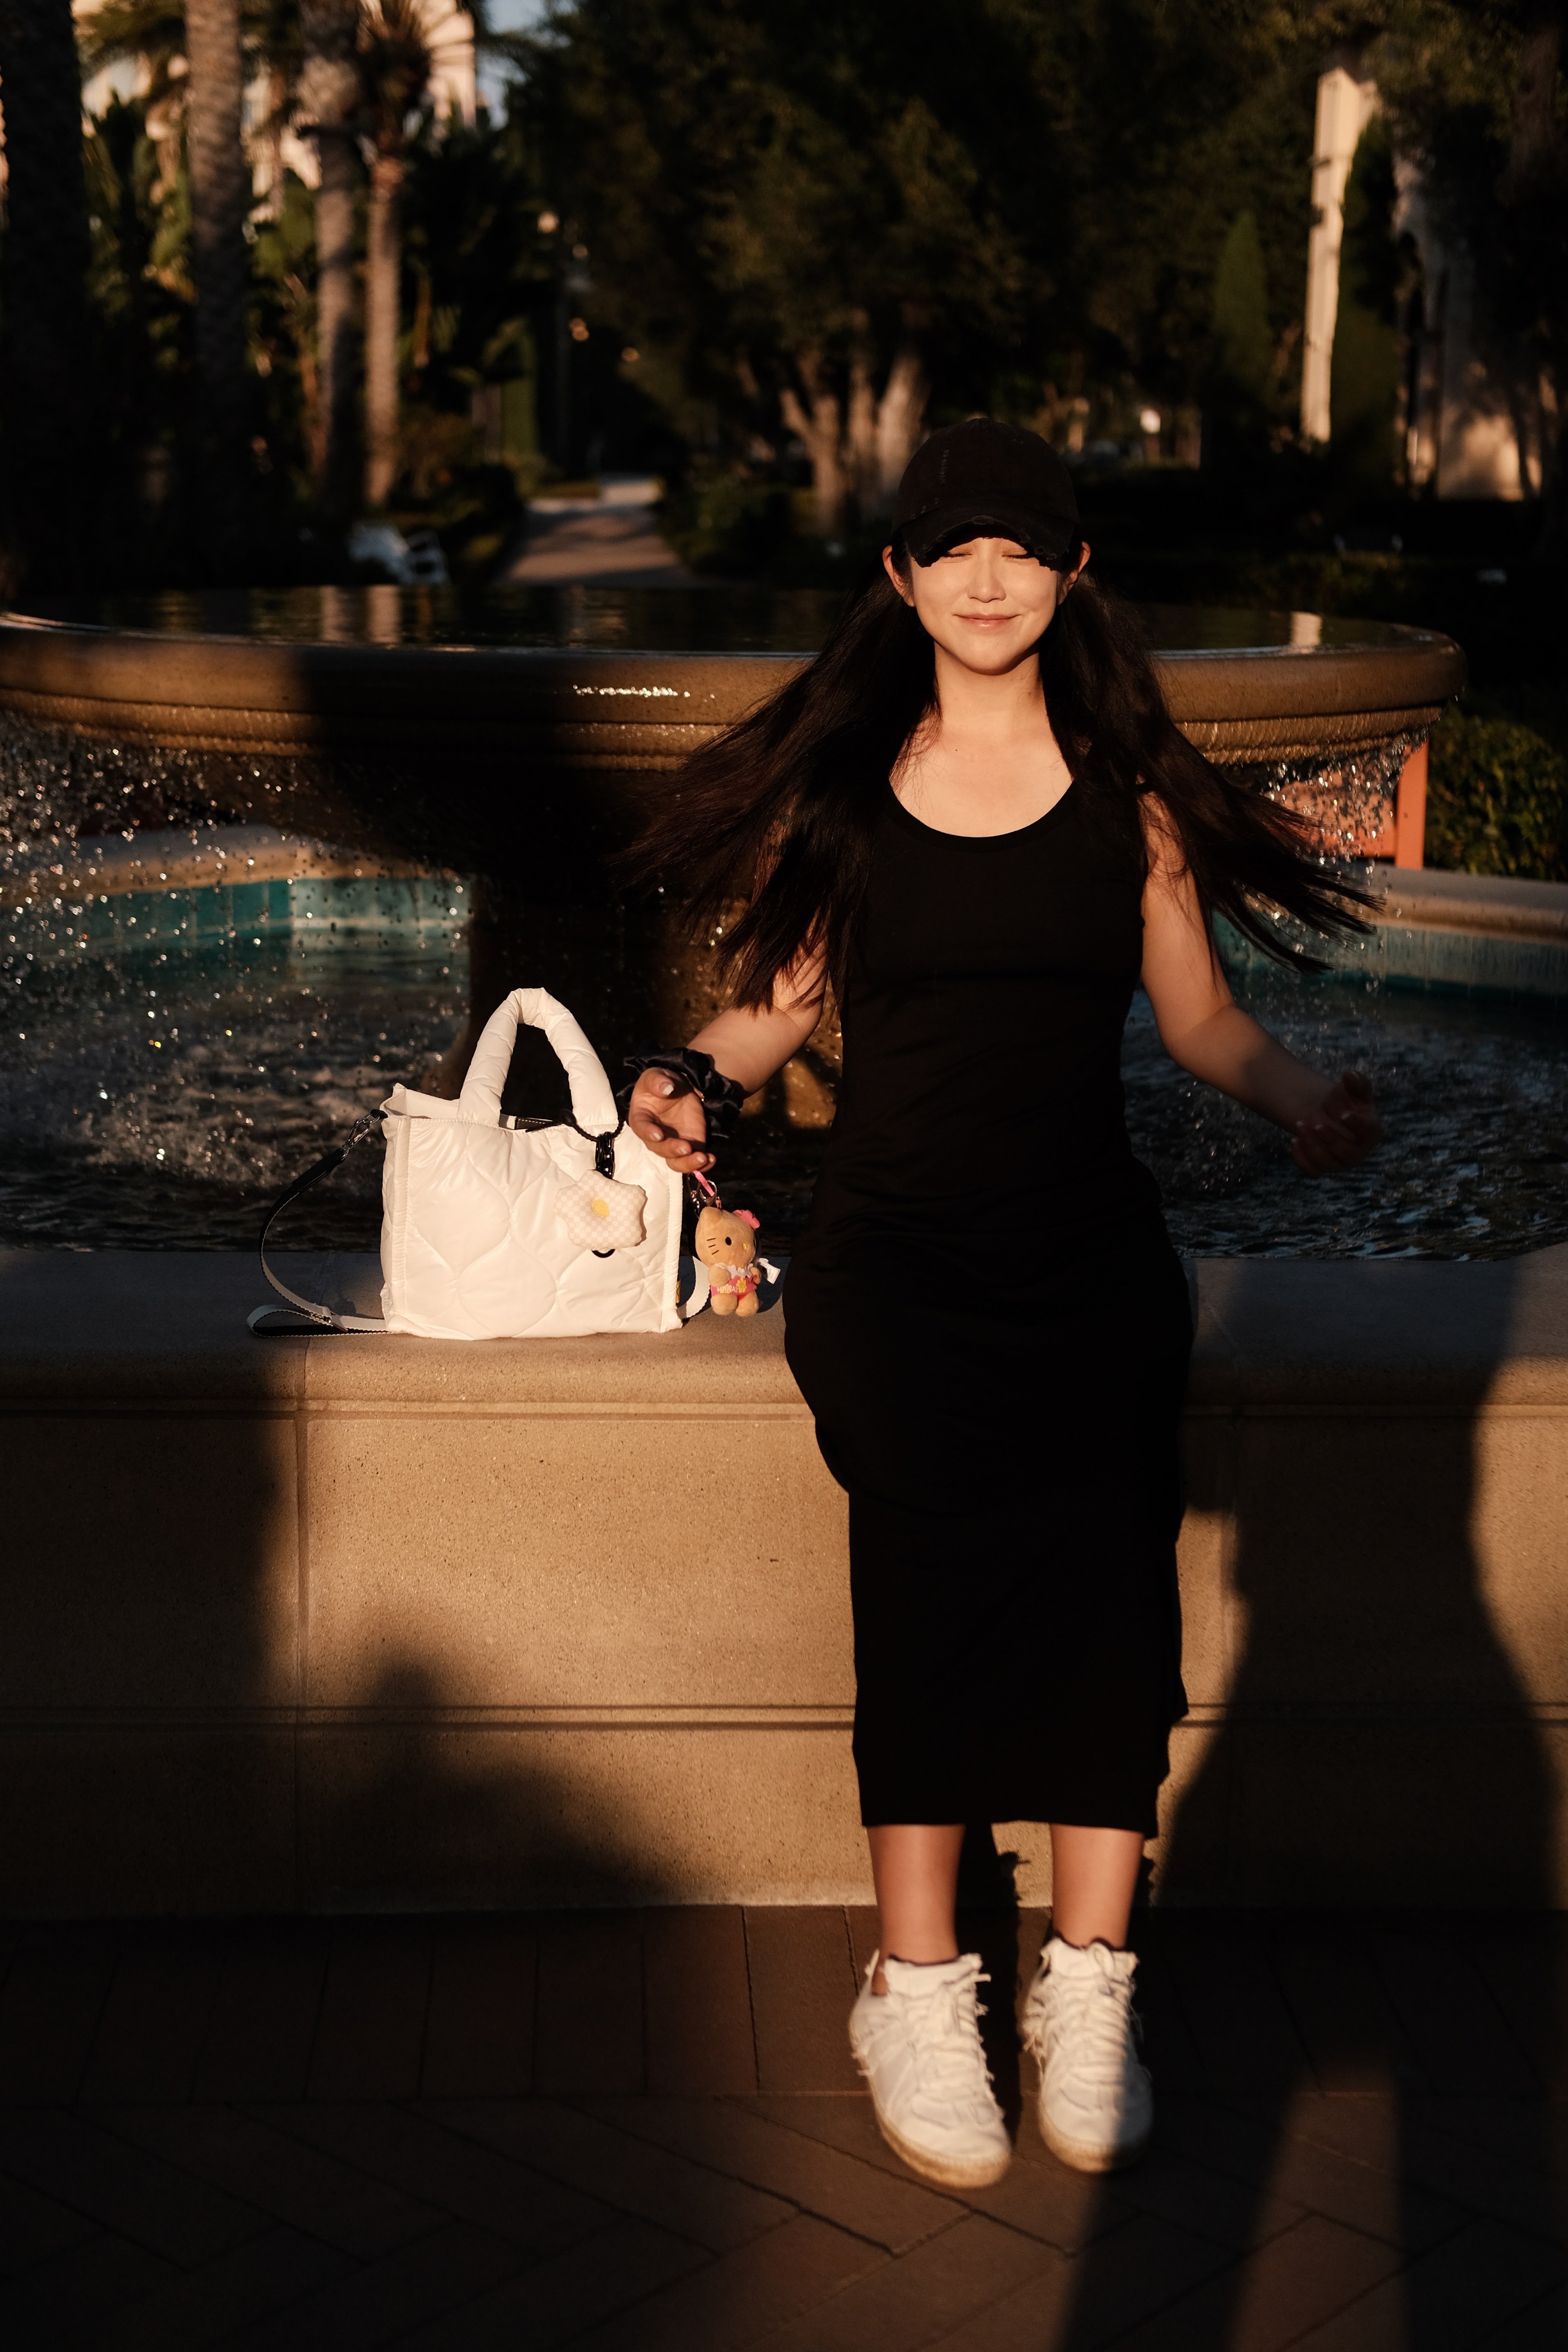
366 1623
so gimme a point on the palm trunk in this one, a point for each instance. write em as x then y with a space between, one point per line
332 441
330 101
220 201
382 319
43 359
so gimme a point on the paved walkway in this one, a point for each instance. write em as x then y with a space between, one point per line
632 2131
618 546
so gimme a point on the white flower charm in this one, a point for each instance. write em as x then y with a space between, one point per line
600 1213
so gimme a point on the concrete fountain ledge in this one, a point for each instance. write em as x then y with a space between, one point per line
637 710
382 1624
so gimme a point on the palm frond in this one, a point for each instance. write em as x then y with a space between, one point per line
130 28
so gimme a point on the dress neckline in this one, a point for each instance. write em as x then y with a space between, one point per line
912 824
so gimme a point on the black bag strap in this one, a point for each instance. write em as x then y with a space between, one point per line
309 1314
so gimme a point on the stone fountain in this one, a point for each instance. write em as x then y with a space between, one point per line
396 729
343 1624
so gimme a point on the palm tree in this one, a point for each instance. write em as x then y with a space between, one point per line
152 35
211 38
44 363
367 65
395 64
400 43
358 71
329 108
221 195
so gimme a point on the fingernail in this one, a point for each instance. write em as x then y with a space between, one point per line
667 1088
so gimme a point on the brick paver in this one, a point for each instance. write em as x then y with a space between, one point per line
449 2173
624 2131
802 1980
370 2032
697 2004
562 2300
588 2023
363 2214
263 2026
628 2173
746 2297
894 2212
49 2008
478 2030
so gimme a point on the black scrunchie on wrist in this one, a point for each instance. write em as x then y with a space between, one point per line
722 1097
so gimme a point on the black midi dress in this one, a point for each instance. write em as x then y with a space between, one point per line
990 1326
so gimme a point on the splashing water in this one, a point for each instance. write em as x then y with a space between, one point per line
169 1058
1350 804
170 1061
1474 1100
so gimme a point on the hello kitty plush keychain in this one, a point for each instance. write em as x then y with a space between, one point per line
726 1245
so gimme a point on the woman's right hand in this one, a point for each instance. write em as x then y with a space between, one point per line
1341 1132
668 1116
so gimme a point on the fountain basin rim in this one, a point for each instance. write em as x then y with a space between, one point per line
190 857
1500 905
231 693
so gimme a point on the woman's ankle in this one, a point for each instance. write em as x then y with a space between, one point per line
925 1960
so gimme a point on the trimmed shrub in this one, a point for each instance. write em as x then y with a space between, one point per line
729 525
1497 800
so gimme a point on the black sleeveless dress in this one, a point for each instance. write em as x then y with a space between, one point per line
989 1323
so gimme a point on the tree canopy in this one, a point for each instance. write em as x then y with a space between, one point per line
1032 202
777 243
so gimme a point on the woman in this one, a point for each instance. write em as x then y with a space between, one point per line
972 817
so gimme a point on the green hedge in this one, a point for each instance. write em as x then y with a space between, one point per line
728 526
1497 800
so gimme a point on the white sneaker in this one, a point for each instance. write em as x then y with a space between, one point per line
1096 2107
918 2045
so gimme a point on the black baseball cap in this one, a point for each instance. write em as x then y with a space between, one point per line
982 480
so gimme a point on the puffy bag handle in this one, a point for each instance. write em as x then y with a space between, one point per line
592 1100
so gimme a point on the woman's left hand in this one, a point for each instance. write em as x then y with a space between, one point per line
1341 1132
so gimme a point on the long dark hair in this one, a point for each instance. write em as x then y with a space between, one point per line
781 809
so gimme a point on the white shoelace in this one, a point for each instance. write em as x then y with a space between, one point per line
949 2061
1093 2015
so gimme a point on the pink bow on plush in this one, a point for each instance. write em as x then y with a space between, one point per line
744 1217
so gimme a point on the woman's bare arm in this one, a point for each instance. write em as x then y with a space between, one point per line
746 1045
1331 1122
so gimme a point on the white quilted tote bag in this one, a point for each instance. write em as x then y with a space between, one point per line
496 1229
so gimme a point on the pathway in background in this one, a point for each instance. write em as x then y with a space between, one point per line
630 2131
605 547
